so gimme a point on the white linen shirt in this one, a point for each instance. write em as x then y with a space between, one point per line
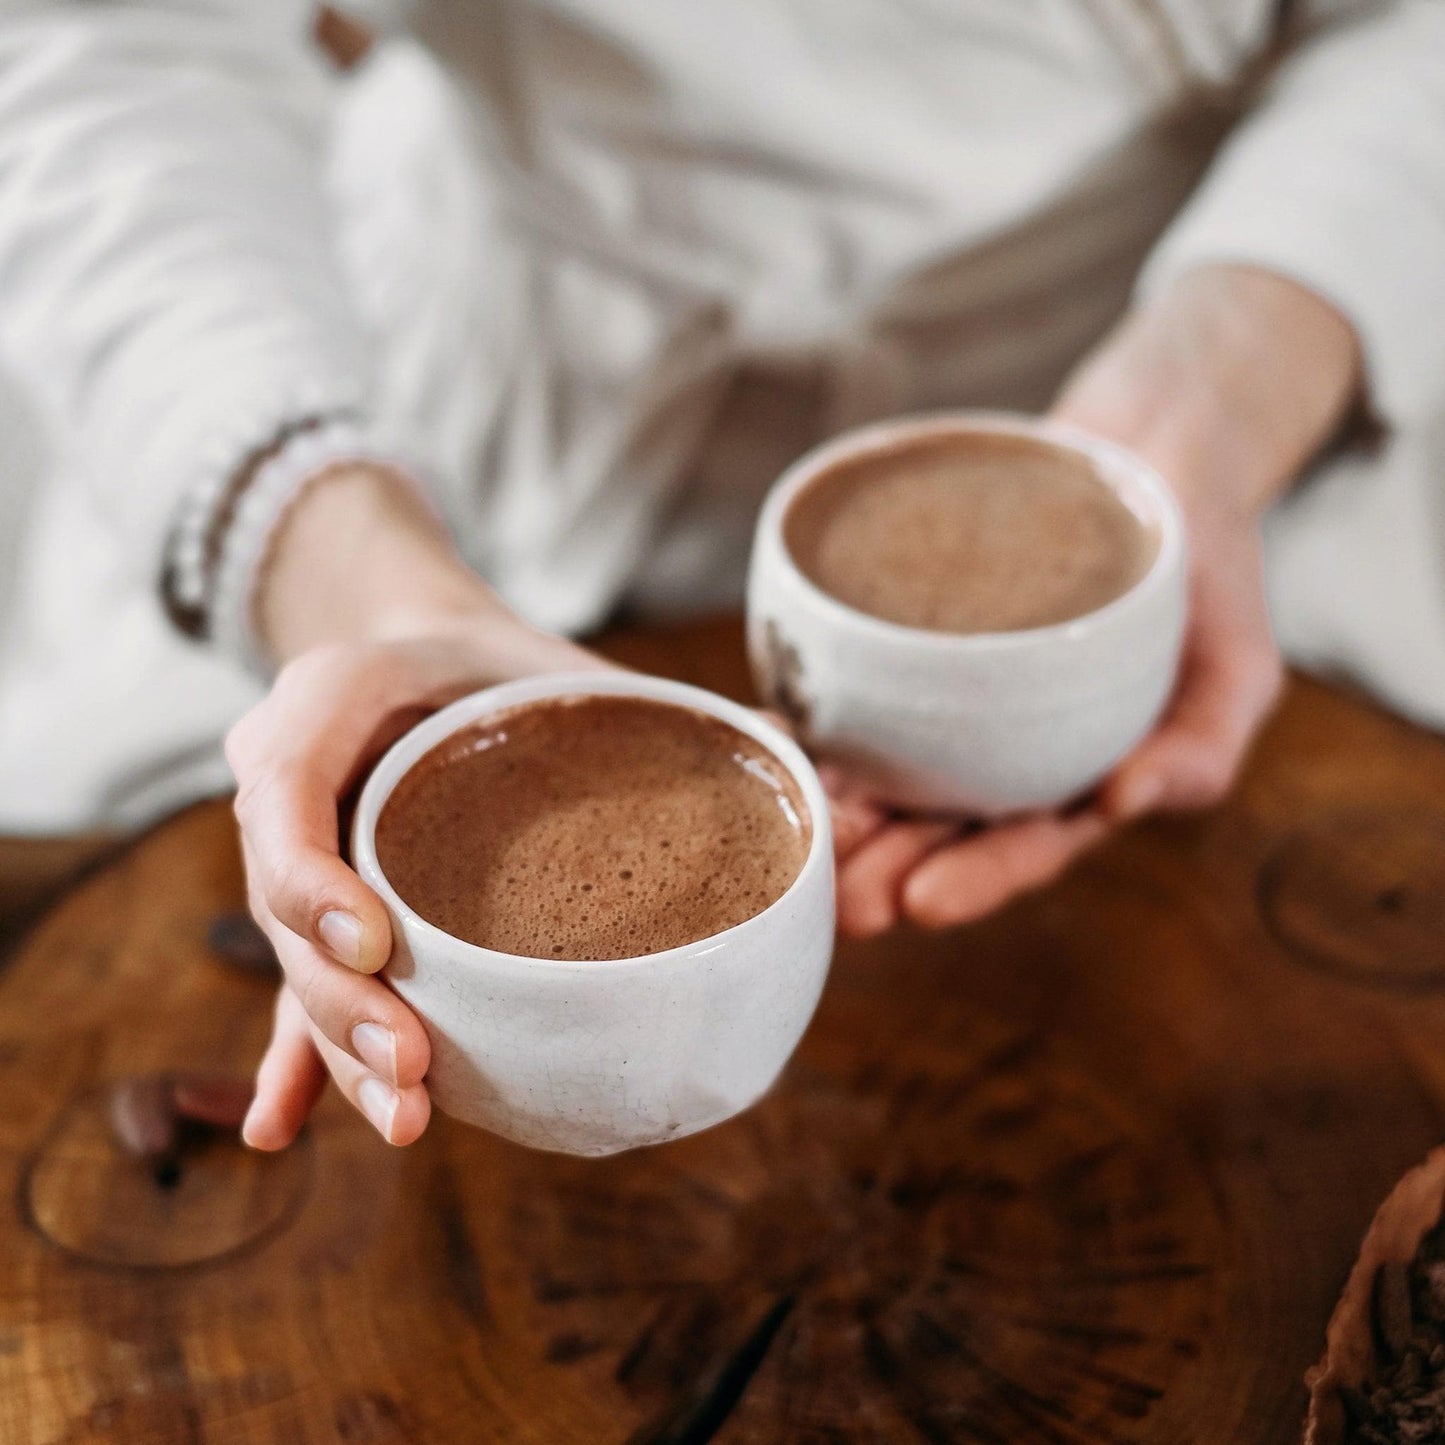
604 264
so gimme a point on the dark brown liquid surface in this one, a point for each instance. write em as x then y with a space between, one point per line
593 828
969 534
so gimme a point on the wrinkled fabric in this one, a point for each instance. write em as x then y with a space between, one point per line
607 266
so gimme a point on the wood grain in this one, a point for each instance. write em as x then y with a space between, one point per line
1089 1173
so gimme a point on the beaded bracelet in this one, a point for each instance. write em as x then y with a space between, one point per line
224 532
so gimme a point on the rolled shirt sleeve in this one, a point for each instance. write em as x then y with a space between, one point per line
1337 180
169 293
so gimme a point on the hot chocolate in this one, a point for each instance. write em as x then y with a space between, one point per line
593 828
969 533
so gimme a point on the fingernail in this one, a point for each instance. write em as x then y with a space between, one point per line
1139 796
375 1046
341 933
248 1125
378 1103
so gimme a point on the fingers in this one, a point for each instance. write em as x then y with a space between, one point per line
967 879
1230 679
293 756
854 823
1230 683
301 749
297 753
870 881
357 1014
925 872
854 818
288 1082
288 818
293 1074
398 1115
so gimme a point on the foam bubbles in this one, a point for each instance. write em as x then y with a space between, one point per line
593 828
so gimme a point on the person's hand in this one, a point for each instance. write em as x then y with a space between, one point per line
1228 385
377 624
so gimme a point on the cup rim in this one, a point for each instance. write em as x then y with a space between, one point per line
1109 459
403 755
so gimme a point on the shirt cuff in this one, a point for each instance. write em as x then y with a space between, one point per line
225 528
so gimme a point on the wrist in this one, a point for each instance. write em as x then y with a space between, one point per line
1278 370
360 557
1216 464
1229 384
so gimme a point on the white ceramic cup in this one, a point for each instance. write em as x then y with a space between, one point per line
985 724
593 1058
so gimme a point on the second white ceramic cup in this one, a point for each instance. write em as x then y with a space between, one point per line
593 1058
986 724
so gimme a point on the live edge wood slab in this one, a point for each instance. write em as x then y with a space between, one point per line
1092 1171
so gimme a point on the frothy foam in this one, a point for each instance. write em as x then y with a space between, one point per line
969 533
593 828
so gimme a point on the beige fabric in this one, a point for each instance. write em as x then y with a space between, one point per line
626 259
573 386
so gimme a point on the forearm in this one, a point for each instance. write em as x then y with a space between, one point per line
1336 179
361 558
357 557
1230 382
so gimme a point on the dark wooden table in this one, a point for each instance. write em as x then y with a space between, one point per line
1092 1171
